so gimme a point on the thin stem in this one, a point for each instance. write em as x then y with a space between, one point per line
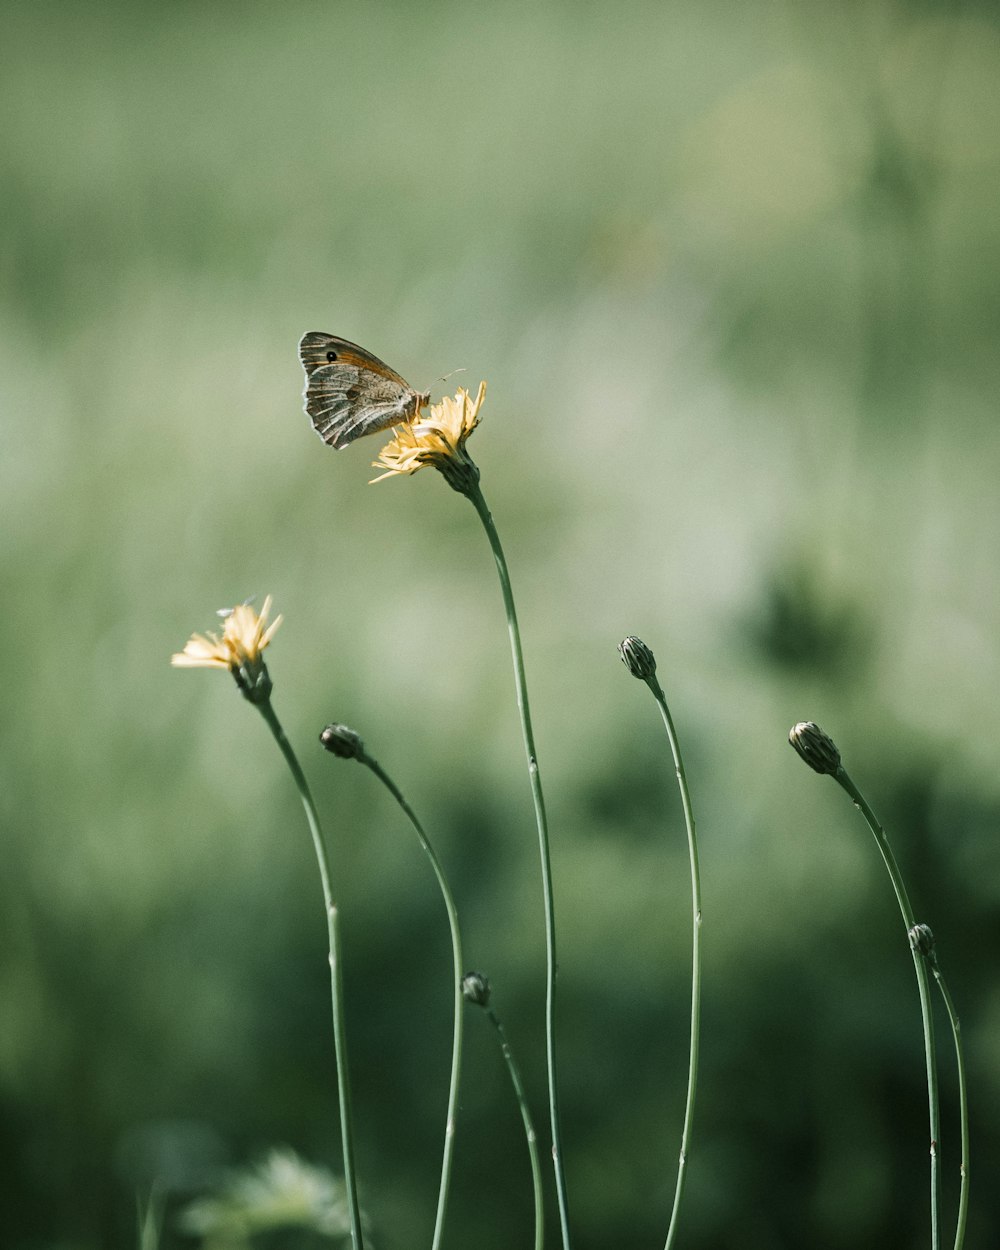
456 950
923 985
336 986
475 495
529 1128
956 1033
150 1220
675 750
343 1085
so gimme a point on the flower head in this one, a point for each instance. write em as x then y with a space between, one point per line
245 634
815 747
637 657
922 939
438 440
476 989
342 741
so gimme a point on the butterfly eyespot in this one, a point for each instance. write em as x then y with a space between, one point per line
331 355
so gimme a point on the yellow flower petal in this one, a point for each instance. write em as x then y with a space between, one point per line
202 652
437 438
243 639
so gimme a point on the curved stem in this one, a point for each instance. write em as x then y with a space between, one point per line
923 985
336 986
675 750
475 495
529 1128
456 950
956 1033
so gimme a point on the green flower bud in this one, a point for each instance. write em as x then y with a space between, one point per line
815 747
921 939
476 989
637 657
343 742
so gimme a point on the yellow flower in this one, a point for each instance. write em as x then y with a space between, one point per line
244 637
438 440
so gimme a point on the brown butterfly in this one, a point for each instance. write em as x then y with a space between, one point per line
349 392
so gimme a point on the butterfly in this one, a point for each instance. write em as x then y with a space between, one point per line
349 392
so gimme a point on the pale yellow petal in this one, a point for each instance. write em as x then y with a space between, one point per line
244 637
201 652
438 437
270 631
183 660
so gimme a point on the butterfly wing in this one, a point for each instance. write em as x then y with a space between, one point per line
315 349
349 392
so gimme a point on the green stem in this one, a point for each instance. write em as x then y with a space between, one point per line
675 750
475 495
956 1033
529 1128
150 1220
336 986
456 950
923 985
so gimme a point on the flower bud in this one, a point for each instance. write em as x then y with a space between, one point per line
637 657
476 989
343 742
815 747
921 939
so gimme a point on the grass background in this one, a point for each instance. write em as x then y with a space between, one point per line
731 273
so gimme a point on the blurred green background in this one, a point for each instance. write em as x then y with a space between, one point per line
731 274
